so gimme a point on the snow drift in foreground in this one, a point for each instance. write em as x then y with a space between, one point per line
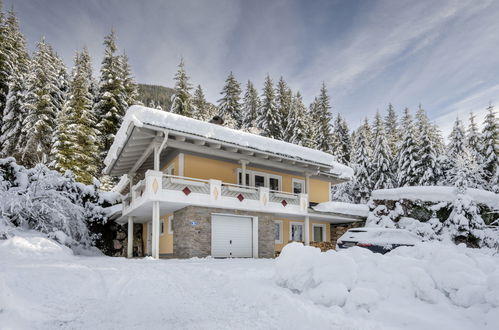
430 286
43 285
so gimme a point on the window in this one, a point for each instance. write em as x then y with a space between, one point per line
319 233
260 179
274 183
240 180
162 226
170 170
278 231
296 231
170 224
298 186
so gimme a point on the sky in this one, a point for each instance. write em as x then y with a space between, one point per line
441 54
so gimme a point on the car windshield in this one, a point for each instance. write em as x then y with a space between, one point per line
380 236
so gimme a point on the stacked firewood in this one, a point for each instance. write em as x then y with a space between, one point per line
324 246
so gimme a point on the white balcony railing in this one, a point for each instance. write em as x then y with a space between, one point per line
157 186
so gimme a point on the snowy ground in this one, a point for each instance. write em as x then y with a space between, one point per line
44 286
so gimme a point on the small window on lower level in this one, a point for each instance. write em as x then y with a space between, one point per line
296 231
278 231
319 233
170 224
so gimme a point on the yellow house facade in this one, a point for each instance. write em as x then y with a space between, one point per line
199 189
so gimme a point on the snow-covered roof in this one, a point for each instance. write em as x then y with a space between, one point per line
436 194
141 116
360 210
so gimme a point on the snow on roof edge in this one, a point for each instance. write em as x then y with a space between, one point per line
140 115
435 194
360 210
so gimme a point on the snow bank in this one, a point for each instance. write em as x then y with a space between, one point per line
32 246
140 115
361 210
430 285
435 194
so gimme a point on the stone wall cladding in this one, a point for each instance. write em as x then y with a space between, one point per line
195 240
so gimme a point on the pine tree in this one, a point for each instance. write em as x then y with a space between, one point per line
181 100
268 117
312 129
322 117
251 104
199 104
13 118
283 107
428 167
43 101
392 131
407 172
75 145
457 141
490 150
229 106
297 122
4 65
382 174
340 140
474 140
111 96
362 165
129 85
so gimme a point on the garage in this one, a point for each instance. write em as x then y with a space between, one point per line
231 236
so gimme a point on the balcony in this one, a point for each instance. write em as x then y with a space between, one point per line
175 192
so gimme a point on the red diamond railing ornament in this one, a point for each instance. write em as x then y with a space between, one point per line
240 197
284 203
186 191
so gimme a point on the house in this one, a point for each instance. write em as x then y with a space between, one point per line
201 189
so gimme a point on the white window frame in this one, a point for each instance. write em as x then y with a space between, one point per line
300 181
170 224
302 231
280 223
266 177
162 227
321 225
170 170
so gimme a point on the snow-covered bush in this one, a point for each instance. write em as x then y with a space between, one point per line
46 201
467 215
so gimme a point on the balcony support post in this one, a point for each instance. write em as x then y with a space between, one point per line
130 238
306 230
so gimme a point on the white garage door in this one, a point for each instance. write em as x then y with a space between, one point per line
231 236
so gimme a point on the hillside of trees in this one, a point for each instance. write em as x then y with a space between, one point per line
67 119
155 96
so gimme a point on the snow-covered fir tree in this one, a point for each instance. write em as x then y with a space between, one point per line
111 96
200 107
229 106
42 103
13 114
393 133
490 150
268 118
129 85
340 140
457 141
75 142
465 169
296 129
322 119
312 129
362 164
474 140
181 99
4 66
407 158
251 104
382 176
428 165
283 106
